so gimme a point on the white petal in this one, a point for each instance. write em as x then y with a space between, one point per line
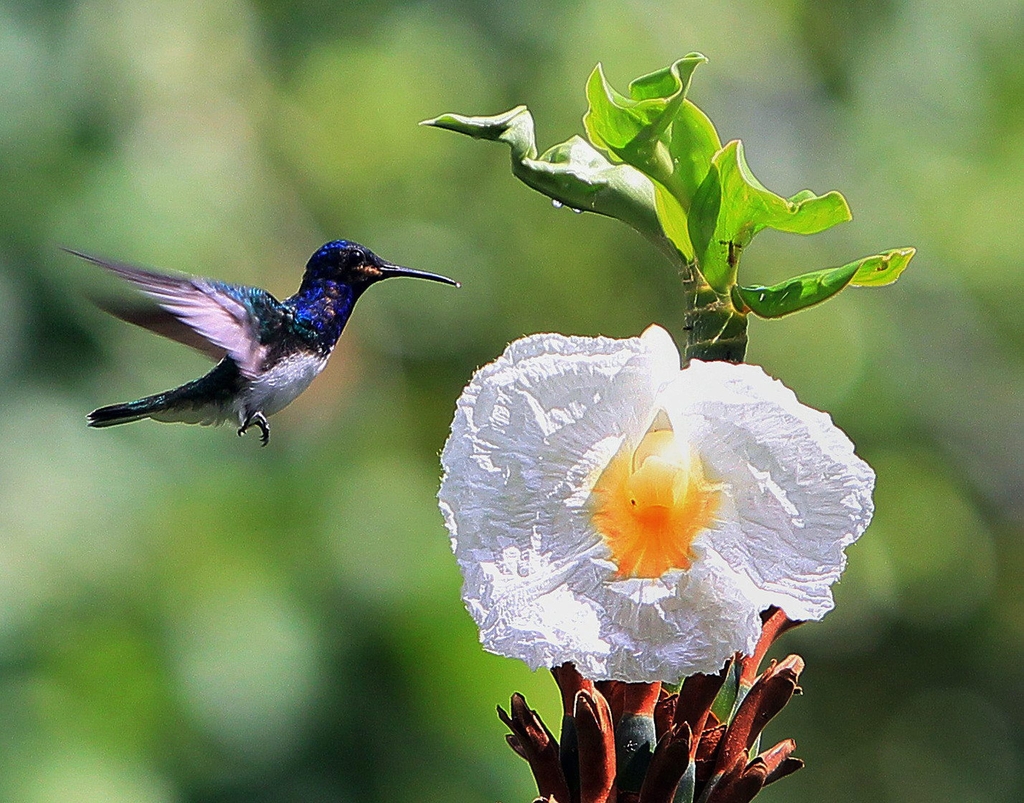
796 494
531 431
683 623
663 351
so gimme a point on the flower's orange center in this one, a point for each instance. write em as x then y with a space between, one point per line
651 502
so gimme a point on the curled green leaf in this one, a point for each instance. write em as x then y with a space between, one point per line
804 291
751 207
884 268
634 127
572 173
745 207
659 132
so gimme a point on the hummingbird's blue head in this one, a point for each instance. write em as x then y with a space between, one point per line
350 263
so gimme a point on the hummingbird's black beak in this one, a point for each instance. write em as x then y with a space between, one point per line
389 270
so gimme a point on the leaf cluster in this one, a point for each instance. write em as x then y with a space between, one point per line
655 161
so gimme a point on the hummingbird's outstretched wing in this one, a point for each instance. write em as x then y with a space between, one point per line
220 314
158 320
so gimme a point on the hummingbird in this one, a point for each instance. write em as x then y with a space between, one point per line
267 351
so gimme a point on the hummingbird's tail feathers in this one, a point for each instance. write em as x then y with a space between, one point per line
207 400
167 407
115 414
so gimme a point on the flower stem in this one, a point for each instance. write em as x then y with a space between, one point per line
715 329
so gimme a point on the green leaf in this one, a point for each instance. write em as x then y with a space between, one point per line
728 696
687 785
633 128
884 268
573 172
693 142
747 207
804 291
704 213
672 219
657 131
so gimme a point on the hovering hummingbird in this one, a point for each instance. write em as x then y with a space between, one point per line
267 351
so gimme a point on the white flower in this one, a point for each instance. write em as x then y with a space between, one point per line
610 509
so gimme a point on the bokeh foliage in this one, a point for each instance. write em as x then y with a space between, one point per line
187 617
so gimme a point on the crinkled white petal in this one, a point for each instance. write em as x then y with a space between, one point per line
679 624
795 493
532 433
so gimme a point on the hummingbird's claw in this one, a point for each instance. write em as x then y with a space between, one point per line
259 420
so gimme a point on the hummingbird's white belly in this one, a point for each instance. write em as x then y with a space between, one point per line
278 387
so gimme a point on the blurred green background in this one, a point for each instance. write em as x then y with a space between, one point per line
187 617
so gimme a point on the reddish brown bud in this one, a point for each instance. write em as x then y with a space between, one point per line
596 736
669 763
774 624
766 698
742 785
664 713
570 682
531 739
695 698
613 691
779 761
707 752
